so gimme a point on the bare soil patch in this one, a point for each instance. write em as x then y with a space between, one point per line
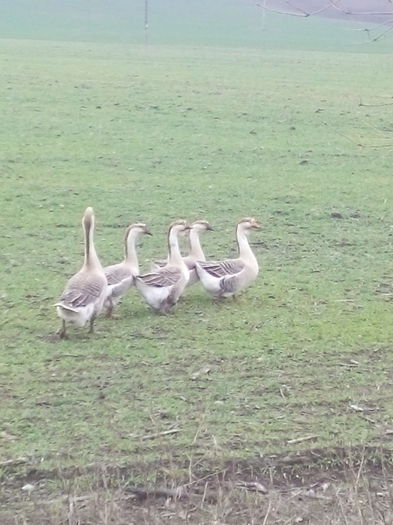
315 486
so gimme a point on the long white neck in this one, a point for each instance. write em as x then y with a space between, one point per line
196 251
245 251
131 257
92 261
174 255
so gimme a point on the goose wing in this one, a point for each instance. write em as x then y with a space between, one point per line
230 284
222 268
117 273
82 290
167 276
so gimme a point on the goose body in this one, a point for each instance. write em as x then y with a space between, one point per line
84 295
196 252
120 276
163 287
226 278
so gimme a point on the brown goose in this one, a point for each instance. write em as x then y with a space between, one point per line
162 288
120 276
196 252
225 278
85 293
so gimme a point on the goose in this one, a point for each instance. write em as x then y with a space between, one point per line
162 288
120 276
225 278
84 295
196 251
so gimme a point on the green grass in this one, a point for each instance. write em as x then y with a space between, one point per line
162 133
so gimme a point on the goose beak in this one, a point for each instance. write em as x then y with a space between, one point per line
209 228
256 225
147 232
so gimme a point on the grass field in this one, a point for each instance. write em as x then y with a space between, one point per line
300 140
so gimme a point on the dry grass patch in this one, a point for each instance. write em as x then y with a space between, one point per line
337 486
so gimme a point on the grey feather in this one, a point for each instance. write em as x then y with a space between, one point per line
223 268
117 273
82 289
166 276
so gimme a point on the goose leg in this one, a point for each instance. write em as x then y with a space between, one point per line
61 332
109 310
91 327
165 309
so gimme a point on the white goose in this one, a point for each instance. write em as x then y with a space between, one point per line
225 278
120 276
196 252
162 288
85 293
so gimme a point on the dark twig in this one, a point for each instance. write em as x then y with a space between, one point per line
161 492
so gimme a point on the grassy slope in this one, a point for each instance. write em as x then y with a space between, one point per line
163 133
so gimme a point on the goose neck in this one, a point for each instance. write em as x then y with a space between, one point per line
91 258
195 245
130 255
174 255
245 251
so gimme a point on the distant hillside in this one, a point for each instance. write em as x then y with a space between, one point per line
229 23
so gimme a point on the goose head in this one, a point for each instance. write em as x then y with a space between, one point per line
179 227
88 218
248 224
137 229
200 226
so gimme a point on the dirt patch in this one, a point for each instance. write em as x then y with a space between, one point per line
320 485
303 466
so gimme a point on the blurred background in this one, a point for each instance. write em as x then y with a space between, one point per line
277 24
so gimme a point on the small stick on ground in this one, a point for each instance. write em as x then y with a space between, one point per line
254 486
267 512
57 357
301 439
161 492
157 434
12 462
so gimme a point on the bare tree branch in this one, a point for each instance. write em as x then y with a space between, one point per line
298 8
303 14
375 39
335 4
265 8
359 13
316 12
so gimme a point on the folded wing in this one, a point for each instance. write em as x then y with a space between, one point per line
82 290
222 268
117 273
167 276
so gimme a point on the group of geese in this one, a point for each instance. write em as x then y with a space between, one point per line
96 287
